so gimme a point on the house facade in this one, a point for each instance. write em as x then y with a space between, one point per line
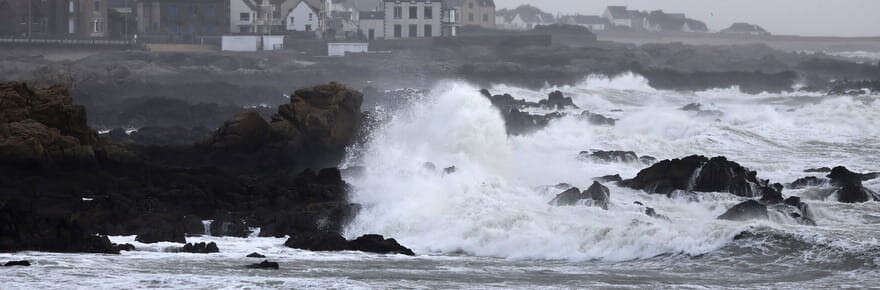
183 18
591 22
371 24
412 18
304 16
474 12
57 18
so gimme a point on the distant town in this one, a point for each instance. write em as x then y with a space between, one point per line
246 25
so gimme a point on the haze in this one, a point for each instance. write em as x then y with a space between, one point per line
793 17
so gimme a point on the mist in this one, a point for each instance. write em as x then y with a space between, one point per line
849 18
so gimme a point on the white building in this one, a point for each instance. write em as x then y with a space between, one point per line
305 16
412 18
372 24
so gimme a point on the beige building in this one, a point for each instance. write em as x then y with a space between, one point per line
473 12
412 18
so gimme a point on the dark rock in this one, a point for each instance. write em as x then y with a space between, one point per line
639 203
667 176
647 160
808 181
124 247
17 263
155 235
321 241
600 195
609 178
246 131
692 107
793 201
771 196
612 156
167 136
227 226
568 197
748 210
597 119
818 170
379 244
558 101
255 255
849 186
449 170
200 248
193 225
264 265
652 213
720 175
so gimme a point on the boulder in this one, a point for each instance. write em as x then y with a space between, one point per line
849 186
327 117
770 195
600 195
747 210
155 235
266 265
613 156
124 247
255 255
379 244
320 241
667 176
721 175
200 248
556 100
809 181
596 119
245 132
567 198
818 170
649 211
609 178
226 226
17 263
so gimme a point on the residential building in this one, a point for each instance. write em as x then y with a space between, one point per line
412 18
306 15
658 21
54 18
343 24
745 28
473 12
372 24
591 22
183 18
524 17
621 18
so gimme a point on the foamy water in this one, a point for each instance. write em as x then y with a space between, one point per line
488 224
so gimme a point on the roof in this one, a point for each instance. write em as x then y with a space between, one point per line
460 3
375 15
618 12
314 4
744 27
588 19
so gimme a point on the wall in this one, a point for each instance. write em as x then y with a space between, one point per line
405 21
377 25
473 8
340 49
273 42
239 43
236 7
301 19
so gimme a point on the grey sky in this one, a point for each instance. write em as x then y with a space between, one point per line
802 17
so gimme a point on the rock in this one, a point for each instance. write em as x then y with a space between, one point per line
600 195
613 156
17 263
596 119
246 131
380 245
818 170
520 123
849 186
29 142
808 181
151 236
667 176
558 101
200 248
166 136
652 213
449 170
255 255
124 247
567 198
647 160
325 117
639 203
193 225
747 210
692 107
321 241
771 195
609 178
264 265
720 175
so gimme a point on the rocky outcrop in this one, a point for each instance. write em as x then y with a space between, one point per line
616 156
200 248
596 119
17 263
609 178
324 118
556 100
809 181
748 210
334 242
266 265
596 195
519 122
255 255
155 235
698 174
244 132
849 188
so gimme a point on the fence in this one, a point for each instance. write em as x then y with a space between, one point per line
90 43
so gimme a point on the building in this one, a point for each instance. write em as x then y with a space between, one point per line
621 18
306 15
182 19
255 16
54 18
658 21
372 24
412 18
745 28
473 12
591 22
524 17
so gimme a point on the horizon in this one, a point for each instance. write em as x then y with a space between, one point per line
844 18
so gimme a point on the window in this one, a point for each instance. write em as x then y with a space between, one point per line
429 12
172 11
471 17
398 31
97 6
413 30
291 20
372 34
72 7
98 25
308 27
398 12
413 12
485 17
471 5
429 30
244 17
310 16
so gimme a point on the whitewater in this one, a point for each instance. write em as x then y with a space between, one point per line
487 222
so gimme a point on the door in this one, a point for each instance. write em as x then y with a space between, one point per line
372 34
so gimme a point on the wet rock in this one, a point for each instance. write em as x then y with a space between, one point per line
648 160
639 203
255 255
558 101
124 247
849 186
321 242
379 244
609 178
246 131
653 213
692 107
165 234
809 181
818 170
265 265
200 248
567 198
747 210
449 170
667 176
600 195
193 225
521 123
167 136
326 117
597 119
771 195
17 263
612 156
721 175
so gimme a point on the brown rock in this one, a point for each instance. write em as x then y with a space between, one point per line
245 131
327 116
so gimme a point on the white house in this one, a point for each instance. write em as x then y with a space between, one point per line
305 16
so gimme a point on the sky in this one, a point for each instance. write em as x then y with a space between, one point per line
790 17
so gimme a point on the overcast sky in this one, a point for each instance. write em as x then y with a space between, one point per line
801 17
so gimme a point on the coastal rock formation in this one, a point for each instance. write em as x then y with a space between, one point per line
808 181
615 156
17 263
596 119
200 248
698 174
266 265
378 244
519 122
596 195
849 186
334 242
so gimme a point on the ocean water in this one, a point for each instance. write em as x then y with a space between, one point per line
488 224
